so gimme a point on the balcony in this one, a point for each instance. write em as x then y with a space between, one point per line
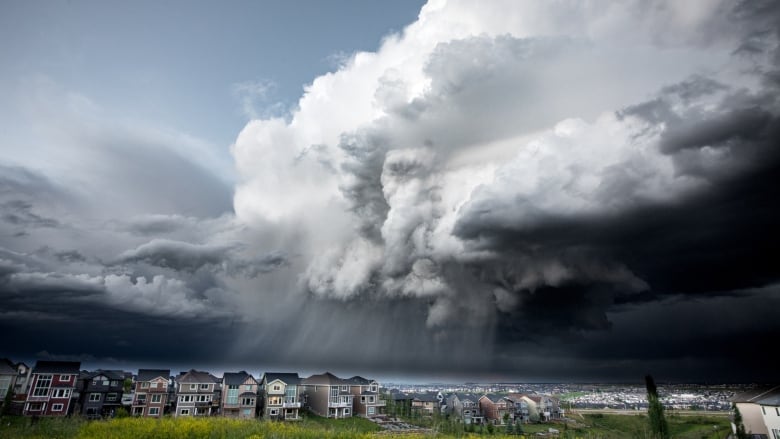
291 405
340 404
378 403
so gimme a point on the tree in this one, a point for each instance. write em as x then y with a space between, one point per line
127 385
740 426
519 428
509 428
655 411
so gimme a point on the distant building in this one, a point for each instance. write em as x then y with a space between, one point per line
281 395
465 407
496 408
51 388
239 395
425 404
151 392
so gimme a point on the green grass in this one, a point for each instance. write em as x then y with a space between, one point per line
591 426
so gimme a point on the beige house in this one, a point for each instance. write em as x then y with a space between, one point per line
239 395
753 412
328 395
197 394
770 410
281 396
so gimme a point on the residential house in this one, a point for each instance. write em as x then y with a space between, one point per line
239 395
281 396
366 401
197 394
152 395
425 404
465 407
497 409
770 410
540 407
100 392
328 395
7 379
754 413
51 388
522 410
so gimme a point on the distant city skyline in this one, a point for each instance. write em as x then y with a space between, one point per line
537 191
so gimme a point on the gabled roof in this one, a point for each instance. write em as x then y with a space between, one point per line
110 374
773 400
58 367
425 397
495 399
398 396
150 374
236 378
286 378
360 381
197 376
754 395
467 397
327 379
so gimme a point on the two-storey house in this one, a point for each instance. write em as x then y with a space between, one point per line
328 395
100 392
496 408
522 408
425 404
465 407
366 397
239 395
197 394
281 395
151 392
51 388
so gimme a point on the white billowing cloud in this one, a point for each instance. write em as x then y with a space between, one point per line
505 111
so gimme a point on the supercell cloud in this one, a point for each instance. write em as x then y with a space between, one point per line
525 189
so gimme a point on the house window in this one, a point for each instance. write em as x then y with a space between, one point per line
204 386
156 398
111 397
247 401
247 387
60 393
233 387
776 433
57 407
247 412
184 412
346 411
193 386
345 388
185 398
763 409
144 385
777 409
154 411
42 385
35 407
65 378
274 412
141 398
276 387
373 388
94 397
371 410
363 399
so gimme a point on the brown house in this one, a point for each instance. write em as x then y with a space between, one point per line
239 395
495 408
328 395
366 397
151 392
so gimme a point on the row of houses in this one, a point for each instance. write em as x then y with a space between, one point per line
60 388
478 409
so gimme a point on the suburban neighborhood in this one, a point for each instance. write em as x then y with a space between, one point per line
62 388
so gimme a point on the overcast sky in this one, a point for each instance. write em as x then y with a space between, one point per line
531 191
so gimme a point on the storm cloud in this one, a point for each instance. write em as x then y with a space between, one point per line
528 190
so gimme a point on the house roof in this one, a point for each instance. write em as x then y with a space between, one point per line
493 397
150 374
326 378
110 374
773 400
757 394
235 378
287 378
60 367
467 397
425 397
399 396
359 380
196 376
